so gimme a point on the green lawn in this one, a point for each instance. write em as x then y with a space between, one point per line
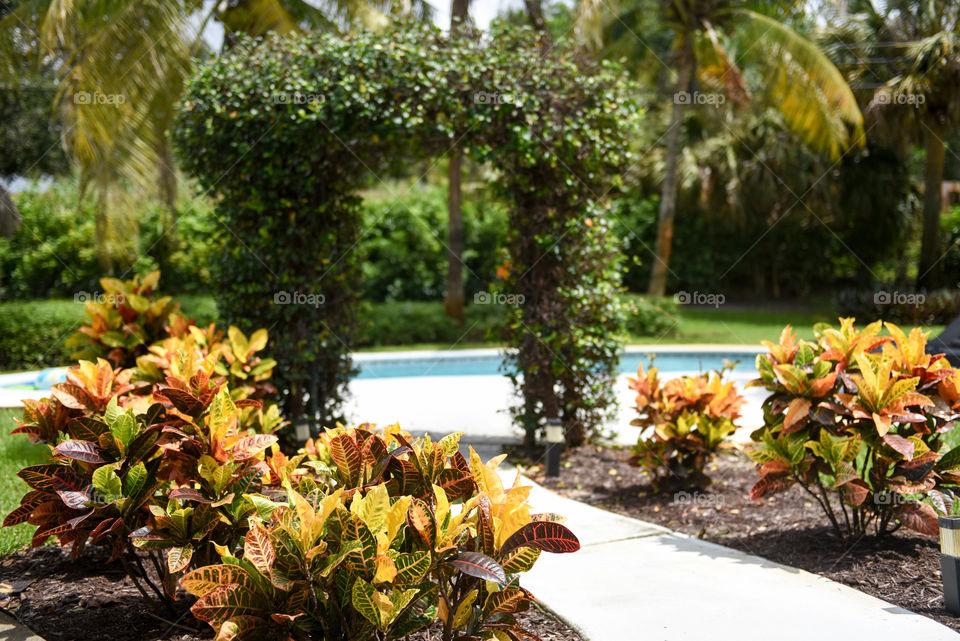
15 452
743 327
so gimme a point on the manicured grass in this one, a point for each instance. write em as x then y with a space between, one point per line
743 327
15 452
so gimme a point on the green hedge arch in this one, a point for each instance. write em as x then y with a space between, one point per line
284 132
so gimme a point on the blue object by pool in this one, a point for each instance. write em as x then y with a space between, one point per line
48 377
489 364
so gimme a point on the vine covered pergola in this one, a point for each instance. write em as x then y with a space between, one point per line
286 131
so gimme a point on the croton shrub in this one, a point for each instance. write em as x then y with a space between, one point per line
123 320
361 535
687 418
856 418
163 467
386 535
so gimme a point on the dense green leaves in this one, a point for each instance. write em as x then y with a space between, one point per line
259 125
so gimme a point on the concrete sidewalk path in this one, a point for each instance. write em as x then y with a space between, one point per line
632 580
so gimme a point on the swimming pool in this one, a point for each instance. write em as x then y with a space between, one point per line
471 362
487 362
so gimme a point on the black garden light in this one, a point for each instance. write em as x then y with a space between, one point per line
950 562
554 445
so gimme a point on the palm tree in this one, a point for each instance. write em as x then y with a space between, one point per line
800 81
454 301
122 66
921 101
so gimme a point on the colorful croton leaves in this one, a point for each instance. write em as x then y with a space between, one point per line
690 417
123 320
857 419
391 535
162 461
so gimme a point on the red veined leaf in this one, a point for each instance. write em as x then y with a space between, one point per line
373 450
205 580
225 603
258 549
250 446
855 492
769 485
72 396
544 535
83 451
797 415
72 491
19 515
457 484
485 537
178 558
44 532
919 517
900 444
506 601
420 517
40 477
774 467
189 494
87 428
248 402
180 399
480 566
520 560
77 520
348 458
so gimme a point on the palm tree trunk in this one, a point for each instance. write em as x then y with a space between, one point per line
453 302
535 13
168 181
927 272
668 195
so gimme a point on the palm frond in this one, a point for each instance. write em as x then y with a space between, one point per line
588 21
804 85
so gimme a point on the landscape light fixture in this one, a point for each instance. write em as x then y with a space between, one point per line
950 562
554 446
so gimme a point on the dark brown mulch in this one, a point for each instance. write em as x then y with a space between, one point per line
789 528
91 600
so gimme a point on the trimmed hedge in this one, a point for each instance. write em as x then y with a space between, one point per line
33 333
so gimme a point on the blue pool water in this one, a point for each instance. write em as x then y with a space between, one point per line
459 364
489 364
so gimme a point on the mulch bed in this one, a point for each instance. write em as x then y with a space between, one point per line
789 528
91 600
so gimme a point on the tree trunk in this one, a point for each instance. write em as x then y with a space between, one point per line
454 299
668 195
535 13
168 181
453 302
927 272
